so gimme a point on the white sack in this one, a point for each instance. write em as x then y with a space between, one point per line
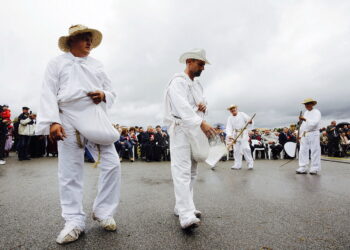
90 120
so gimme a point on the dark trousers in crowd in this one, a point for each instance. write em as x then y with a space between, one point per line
37 146
51 147
127 147
275 150
160 152
333 148
324 149
23 147
152 152
2 145
164 153
143 151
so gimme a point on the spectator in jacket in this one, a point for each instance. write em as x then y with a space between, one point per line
270 141
142 139
333 139
284 137
344 143
132 135
6 115
256 142
324 142
25 130
126 144
3 134
149 144
160 145
134 140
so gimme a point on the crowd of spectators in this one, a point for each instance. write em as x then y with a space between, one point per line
152 144
335 139
149 145
18 135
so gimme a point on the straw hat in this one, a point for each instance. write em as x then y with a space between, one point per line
309 100
79 29
198 54
232 106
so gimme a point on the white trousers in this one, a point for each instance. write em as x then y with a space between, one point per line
70 178
310 142
242 147
184 172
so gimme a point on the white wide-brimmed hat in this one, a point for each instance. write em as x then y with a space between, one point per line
79 29
309 100
232 106
198 54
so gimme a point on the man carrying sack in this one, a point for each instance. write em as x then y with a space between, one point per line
235 124
74 99
185 107
310 138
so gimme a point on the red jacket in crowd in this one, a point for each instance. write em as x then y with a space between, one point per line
6 116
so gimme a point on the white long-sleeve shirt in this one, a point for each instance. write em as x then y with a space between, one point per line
269 138
68 79
181 101
312 123
236 123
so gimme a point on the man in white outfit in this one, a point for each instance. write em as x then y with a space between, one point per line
185 107
69 79
310 139
235 123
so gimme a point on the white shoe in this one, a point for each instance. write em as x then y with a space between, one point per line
197 213
108 224
236 167
313 172
301 170
191 223
2 162
69 234
250 166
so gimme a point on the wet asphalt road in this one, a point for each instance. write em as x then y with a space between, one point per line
268 208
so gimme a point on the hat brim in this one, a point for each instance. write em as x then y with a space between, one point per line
96 39
312 102
231 107
189 55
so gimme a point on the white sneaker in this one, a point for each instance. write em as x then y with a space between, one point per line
69 234
197 213
313 172
108 224
191 223
2 162
301 170
236 167
250 166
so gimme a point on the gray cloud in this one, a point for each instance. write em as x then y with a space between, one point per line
267 56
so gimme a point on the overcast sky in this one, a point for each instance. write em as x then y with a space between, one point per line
267 56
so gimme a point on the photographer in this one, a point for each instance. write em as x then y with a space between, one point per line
25 130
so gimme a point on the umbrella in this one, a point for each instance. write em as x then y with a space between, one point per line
341 125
